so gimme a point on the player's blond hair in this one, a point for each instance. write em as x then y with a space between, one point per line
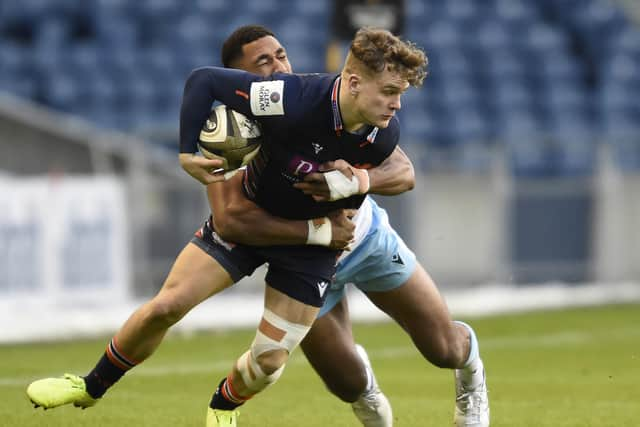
372 50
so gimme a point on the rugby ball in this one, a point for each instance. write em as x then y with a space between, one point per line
229 136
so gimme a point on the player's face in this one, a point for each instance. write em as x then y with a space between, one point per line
379 97
264 56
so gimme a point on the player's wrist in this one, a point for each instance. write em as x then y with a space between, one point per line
364 182
341 187
319 232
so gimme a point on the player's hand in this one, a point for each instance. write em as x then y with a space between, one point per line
334 180
205 170
342 228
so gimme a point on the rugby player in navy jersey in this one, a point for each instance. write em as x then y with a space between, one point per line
158 321
307 120
379 264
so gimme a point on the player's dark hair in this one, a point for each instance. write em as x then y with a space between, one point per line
232 46
376 49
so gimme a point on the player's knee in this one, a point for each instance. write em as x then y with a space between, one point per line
273 360
446 352
348 388
165 311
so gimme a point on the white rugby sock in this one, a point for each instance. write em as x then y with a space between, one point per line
471 374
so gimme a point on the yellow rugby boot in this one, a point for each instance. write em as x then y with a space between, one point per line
221 418
53 392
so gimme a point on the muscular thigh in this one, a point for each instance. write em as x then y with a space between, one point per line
194 277
415 305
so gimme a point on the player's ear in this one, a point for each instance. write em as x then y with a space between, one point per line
353 82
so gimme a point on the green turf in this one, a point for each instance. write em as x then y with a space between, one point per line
560 368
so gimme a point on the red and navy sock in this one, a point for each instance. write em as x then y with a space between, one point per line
109 369
225 396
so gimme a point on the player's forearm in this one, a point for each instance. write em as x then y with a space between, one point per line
239 220
393 176
258 228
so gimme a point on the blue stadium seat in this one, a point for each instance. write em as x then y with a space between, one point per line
438 36
468 125
627 41
454 92
120 63
554 67
454 63
114 32
618 98
463 12
622 68
501 65
52 32
556 98
81 59
546 39
517 15
318 10
490 34
62 92
14 57
215 8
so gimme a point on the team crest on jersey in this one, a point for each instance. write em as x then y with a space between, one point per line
266 98
317 147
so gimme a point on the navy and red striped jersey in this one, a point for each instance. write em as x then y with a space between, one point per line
302 128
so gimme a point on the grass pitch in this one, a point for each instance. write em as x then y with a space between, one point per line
578 367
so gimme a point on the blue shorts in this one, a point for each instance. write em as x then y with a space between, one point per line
381 262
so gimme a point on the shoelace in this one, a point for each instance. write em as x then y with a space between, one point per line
472 400
370 399
73 380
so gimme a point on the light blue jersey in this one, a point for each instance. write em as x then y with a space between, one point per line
381 261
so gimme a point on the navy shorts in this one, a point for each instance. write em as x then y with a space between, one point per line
303 272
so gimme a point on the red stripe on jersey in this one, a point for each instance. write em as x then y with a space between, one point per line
242 94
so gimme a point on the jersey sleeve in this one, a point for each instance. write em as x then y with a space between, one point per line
250 94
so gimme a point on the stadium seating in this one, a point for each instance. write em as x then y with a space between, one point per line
501 71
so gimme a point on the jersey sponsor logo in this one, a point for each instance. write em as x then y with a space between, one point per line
299 167
322 287
266 98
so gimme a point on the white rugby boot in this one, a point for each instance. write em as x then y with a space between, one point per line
472 400
372 407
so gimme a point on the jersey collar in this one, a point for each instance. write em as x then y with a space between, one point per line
337 116
335 107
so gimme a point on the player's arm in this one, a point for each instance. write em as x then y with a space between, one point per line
203 87
239 220
393 176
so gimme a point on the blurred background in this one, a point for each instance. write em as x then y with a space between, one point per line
525 138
